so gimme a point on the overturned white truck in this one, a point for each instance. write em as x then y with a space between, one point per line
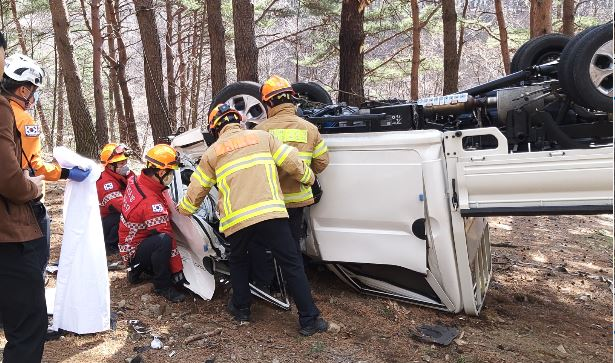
402 213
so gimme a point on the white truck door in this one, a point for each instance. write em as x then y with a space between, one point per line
495 182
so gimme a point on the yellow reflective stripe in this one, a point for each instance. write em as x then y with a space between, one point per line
281 154
308 174
320 149
226 196
237 164
185 203
206 179
306 156
298 197
246 165
201 181
272 178
251 211
290 135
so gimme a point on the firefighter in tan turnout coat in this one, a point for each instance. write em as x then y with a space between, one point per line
283 123
243 164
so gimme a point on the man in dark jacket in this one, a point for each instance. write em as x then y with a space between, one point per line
22 292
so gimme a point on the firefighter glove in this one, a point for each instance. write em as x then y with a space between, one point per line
78 174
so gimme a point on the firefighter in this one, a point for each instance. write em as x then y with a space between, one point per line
22 80
146 237
243 164
23 315
283 123
110 187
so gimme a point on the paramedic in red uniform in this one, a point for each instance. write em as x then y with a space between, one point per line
110 187
146 236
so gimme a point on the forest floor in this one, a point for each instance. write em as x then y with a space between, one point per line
549 301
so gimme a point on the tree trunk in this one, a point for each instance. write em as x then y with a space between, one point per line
131 125
102 132
416 50
568 17
246 53
198 71
83 129
114 85
499 13
183 92
540 17
215 27
192 72
113 130
170 67
24 50
60 122
152 65
451 64
351 40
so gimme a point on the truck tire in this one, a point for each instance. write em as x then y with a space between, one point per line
587 75
563 68
245 97
540 50
312 92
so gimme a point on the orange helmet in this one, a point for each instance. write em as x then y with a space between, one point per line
274 86
162 156
113 153
221 115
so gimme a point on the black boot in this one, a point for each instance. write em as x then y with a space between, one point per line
240 315
319 325
134 276
170 294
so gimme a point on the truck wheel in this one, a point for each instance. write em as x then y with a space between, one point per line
587 69
564 63
312 92
540 50
245 97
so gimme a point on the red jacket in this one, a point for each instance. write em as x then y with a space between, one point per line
110 187
145 212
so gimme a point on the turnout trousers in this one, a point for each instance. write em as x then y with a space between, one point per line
275 234
111 224
22 301
152 257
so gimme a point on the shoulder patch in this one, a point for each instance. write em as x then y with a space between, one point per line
32 130
157 208
108 186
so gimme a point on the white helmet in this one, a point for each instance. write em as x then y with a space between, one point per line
22 68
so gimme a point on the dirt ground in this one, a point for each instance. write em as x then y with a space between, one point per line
550 300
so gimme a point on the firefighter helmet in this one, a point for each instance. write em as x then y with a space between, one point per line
274 86
162 156
113 153
221 115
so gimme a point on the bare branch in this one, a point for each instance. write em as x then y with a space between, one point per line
260 17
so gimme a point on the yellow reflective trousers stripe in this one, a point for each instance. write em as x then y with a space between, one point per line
250 212
290 135
320 149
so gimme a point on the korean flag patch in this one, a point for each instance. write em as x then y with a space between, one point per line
32 130
108 186
157 208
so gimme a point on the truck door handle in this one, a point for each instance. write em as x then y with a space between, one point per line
557 153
